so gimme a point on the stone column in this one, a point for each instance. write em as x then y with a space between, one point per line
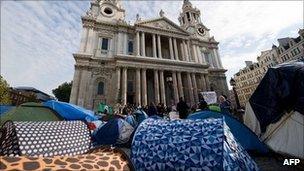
185 51
138 87
118 75
75 87
195 93
189 50
180 85
125 45
182 51
175 49
219 59
207 82
171 48
159 47
124 86
137 44
204 86
154 45
84 37
199 55
194 49
144 87
89 41
82 87
175 90
190 87
156 87
216 58
143 45
162 87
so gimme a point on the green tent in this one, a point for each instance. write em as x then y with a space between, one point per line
214 108
102 107
31 112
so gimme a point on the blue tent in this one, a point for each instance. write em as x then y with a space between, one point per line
240 131
207 144
71 112
115 131
107 134
140 115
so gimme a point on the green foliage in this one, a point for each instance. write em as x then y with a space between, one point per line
63 91
4 92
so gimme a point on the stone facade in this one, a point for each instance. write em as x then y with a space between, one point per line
291 48
248 78
152 60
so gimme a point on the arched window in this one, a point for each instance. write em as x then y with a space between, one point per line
100 88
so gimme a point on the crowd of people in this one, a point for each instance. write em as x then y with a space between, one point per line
182 107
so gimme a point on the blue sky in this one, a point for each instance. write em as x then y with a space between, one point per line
39 37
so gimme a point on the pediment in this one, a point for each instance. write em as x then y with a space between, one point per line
162 23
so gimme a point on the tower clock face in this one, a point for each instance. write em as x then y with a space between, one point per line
201 30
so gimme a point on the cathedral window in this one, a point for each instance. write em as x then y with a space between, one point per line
130 47
105 44
188 16
108 11
100 88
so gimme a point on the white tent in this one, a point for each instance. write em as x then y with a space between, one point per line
285 136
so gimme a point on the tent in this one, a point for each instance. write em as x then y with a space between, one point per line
275 110
102 107
206 144
241 132
101 158
31 112
115 131
46 138
71 112
140 115
5 108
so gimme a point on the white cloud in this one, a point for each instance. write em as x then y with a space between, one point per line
39 37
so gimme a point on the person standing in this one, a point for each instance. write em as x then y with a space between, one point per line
182 108
224 105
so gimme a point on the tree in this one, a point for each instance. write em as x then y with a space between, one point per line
63 91
4 92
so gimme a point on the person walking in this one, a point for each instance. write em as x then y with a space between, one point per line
182 108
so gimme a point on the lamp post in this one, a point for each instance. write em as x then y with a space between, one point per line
233 84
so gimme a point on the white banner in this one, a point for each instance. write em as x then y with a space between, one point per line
209 96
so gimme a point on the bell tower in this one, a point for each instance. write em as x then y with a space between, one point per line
190 16
110 10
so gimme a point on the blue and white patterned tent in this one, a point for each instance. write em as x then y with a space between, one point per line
188 145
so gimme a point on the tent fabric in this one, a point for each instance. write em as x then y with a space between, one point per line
285 135
71 112
5 108
206 144
140 116
115 131
251 121
241 132
107 134
31 112
45 138
131 120
102 158
125 130
281 90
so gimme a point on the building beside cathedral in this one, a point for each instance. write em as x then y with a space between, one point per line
248 78
153 60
